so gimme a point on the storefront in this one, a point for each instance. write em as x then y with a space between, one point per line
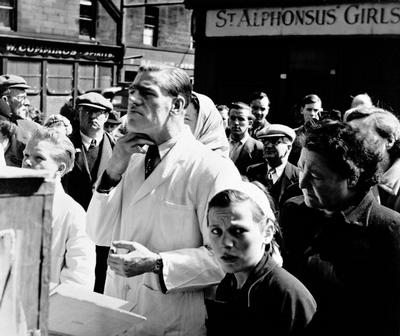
56 70
335 50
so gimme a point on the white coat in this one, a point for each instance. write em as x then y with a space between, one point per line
73 255
167 213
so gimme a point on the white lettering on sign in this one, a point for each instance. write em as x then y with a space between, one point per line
344 19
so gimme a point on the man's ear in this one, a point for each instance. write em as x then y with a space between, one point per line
390 142
62 169
250 122
178 105
5 98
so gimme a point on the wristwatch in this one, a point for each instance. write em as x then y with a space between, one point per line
157 268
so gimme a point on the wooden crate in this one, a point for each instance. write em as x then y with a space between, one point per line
26 198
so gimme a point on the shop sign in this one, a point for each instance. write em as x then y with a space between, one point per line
341 19
30 50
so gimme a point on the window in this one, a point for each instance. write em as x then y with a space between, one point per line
59 78
150 31
7 15
87 19
92 76
32 73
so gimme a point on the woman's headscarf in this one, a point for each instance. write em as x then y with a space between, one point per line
208 129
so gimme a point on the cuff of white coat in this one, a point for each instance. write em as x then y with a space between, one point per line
181 272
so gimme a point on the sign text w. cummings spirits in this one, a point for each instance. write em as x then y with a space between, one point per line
343 19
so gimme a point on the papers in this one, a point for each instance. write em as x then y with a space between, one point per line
75 311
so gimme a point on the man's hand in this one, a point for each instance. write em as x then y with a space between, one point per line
126 145
136 261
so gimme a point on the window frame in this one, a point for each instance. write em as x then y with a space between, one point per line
92 18
12 7
151 23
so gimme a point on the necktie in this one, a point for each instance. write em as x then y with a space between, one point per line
92 144
270 178
151 160
233 150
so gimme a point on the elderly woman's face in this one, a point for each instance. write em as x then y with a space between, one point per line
38 155
322 187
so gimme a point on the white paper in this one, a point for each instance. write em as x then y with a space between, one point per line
76 311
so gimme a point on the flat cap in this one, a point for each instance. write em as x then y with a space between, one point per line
113 118
277 130
95 100
12 81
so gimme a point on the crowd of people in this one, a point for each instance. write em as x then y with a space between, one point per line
212 220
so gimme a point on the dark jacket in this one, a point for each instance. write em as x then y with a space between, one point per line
25 129
350 263
14 153
271 302
251 153
79 183
284 188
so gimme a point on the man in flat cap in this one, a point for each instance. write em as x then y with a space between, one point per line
93 150
13 108
276 173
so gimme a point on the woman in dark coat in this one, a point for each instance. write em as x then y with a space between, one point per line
342 244
257 296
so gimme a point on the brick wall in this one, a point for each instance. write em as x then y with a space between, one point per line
174 27
134 22
106 29
49 17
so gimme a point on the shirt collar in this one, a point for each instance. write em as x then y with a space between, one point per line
87 140
243 140
278 170
358 214
166 146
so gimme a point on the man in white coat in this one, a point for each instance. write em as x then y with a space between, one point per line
157 220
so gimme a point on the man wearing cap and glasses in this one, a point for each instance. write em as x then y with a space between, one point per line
93 150
13 108
276 173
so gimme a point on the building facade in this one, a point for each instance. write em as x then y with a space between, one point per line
287 48
62 48
156 31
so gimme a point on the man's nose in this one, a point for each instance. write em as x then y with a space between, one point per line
27 163
227 240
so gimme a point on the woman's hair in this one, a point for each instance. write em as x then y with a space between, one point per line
177 81
56 120
386 124
64 150
344 152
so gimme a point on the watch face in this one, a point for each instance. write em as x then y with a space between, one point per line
158 266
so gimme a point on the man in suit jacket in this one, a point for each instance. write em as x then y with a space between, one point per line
243 149
93 150
276 173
